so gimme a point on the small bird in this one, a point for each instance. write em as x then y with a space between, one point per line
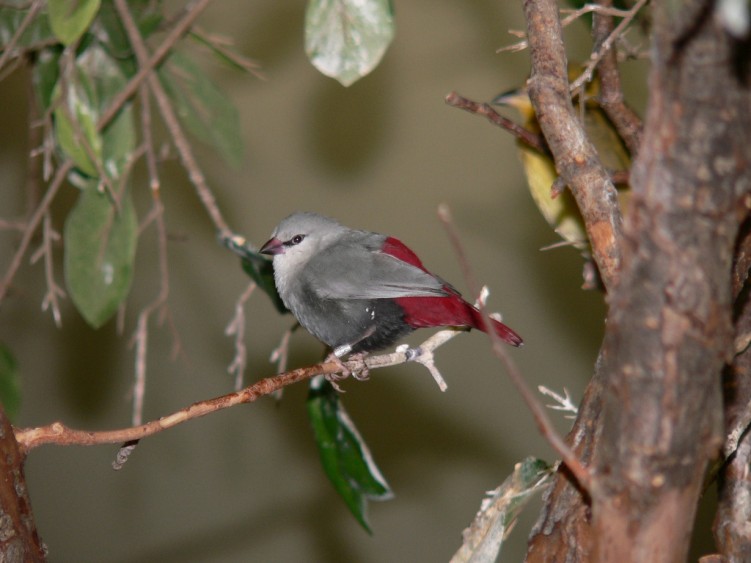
359 291
561 211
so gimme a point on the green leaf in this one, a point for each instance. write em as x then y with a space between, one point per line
10 382
107 81
97 79
45 73
258 267
71 18
36 33
346 39
203 108
345 457
76 115
148 16
100 246
484 538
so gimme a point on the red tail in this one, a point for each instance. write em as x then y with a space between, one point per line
452 310
504 333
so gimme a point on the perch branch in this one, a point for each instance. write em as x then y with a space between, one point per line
59 434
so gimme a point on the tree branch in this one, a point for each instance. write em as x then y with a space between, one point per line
59 434
170 119
529 138
575 157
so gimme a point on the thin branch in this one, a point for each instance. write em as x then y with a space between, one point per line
606 44
572 16
526 136
170 119
59 434
562 402
32 225
575 157
580 473
8 48
147 67
54 291
236 328
625 120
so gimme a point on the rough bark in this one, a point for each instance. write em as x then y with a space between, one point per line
652 417
19 540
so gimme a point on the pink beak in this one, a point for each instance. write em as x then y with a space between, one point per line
272 247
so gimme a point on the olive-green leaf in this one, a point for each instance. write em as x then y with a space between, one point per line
203 108
346 39
69 19
10 382
345 457
36 33
100 246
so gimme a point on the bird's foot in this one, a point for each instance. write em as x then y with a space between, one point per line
344 372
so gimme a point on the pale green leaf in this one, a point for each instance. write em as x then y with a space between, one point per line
97 79
100 246
75 123
346 39
69 19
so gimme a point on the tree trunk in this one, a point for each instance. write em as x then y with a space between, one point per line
19 540
652 417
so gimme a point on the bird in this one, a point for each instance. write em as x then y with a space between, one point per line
359 291
561 211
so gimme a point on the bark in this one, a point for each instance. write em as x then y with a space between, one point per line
652 417
19 540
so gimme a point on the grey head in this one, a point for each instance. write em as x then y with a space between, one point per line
296 240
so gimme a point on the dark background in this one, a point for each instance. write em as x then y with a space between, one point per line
246 484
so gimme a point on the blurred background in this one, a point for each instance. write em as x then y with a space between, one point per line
246 484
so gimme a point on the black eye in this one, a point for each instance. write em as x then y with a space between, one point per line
297 239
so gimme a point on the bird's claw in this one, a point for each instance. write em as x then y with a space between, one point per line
344 372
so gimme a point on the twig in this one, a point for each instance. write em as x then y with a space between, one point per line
220 45
147 67
575 157
562 402
580 473
32 225
236 328
606 44
170 119
140 337
526 136
572 16
53 290
9 47
280 354
59 434
625 120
